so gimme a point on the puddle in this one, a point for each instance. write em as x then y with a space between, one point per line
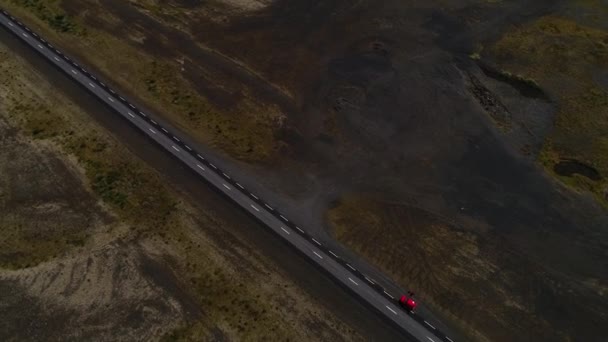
568 167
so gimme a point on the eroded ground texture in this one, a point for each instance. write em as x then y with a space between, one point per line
94 245
458 146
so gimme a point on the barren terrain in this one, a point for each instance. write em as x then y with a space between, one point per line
95 246
465 139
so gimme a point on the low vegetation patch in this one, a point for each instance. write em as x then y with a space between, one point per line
565 58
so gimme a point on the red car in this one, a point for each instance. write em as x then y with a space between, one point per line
408 303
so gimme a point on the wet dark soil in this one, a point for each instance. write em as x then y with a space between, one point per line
569 167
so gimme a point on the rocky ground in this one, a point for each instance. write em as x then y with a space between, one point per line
472 128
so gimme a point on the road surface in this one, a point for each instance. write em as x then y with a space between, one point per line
373 294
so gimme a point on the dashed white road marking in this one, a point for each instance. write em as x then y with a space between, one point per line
349 266
449 339
112 91
143 114
175 138
240 186
254 196
300 229
132 106
393 311
175 148
200 167
267 206
202 158
352 281
430 339
111 99
315 241
285 230
151 130
56 58
154 122
213 166
74 72
188 147
388 294
164 130
334 254
40 46
317 254
25 35
429 324
284 218
11 24
254 207
369 280
225 175
226 186
92 85
102 84
93 77
131 114
121 98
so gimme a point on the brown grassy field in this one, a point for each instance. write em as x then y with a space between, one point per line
480 280
565 56
95 245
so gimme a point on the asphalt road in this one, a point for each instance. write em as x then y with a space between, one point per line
373 294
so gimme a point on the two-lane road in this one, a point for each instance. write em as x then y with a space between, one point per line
339 269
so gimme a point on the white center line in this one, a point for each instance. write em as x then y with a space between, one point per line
151 130
254 207
154 122
40 46
91 85
267 206
225 175
352 281
56 58
315 241
132 106
334 254
25 35
284 218
430 339
300 229
164 130
121 98
349 266
143 114
317 254
111 99
388 294
285 230
74 72
240 186
131 114
198 155
449 339
226 186
200 167
174 138
213 166
112 91
11 24
393 311
368 280
102 84
188 147
429 324
254 196
175 148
